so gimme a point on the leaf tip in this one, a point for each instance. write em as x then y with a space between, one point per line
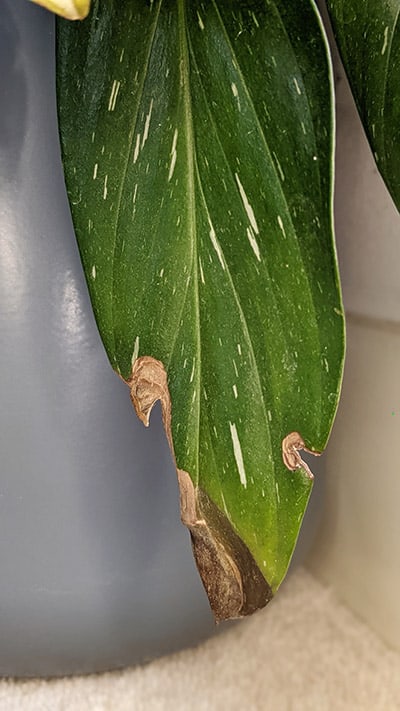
233 582
232 579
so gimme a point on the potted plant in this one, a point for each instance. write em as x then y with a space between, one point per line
197 145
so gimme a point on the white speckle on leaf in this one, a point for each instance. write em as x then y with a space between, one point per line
253 243
193 370
248 208
161 274
280 223
173 155
295 82
385 40
278 166
203 281
137 148
114 94
147 124
201 23
237 450
94 271
135 350
215 243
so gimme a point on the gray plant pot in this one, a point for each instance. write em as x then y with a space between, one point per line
96 568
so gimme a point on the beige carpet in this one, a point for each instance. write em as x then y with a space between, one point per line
304 652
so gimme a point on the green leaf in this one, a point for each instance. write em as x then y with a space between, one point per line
368 35
197 145
70 9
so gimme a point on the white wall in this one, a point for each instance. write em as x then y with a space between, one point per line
358 547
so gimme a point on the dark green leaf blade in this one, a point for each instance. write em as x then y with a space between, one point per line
197 145
368 35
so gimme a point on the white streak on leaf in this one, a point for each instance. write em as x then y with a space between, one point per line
235 392
278 166
253 243
248 208
135 350
173 155
215 243
147 124
137 148
385 40
201 23
94 271
114 94
193 370
297 85
237 450
203 281
105 189
280 223
95 171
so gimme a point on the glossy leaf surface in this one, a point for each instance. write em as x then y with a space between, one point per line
197 145
368 35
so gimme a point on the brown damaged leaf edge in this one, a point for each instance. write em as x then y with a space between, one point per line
233 582
291 445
